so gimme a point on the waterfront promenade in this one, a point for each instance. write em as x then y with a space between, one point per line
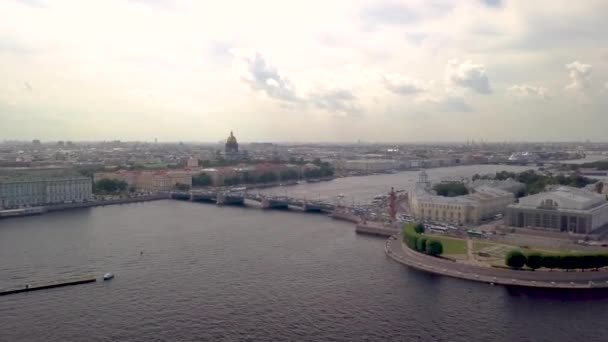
395 249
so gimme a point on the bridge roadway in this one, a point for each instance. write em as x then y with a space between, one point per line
491 275
228 197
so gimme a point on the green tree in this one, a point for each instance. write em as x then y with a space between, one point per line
109 186
569 262
551 261
419 228
587 261
289 174
451 189
201 179
515 259
182 187
434 247
267 177
312 173
248 178
534 260
421 244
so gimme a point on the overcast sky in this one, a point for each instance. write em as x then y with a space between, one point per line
310 70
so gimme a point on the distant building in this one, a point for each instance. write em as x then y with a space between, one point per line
31 189
370 165
152 181
564 209
192 162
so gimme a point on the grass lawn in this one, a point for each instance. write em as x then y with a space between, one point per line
451 245
479 245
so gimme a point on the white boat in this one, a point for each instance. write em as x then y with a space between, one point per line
108 276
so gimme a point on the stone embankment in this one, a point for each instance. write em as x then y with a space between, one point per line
395 249
67 206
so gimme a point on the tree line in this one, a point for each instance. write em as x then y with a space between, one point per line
451 189
204 179
109 186
413 236
536 183
535 260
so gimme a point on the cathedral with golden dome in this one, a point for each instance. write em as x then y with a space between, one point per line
231 149
232 146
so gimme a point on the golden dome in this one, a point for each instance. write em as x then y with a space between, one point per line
231 139
231 144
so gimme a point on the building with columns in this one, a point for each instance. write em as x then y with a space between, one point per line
563 209
483 202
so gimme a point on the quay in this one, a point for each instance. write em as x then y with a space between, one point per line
377 229
396 250
8 213
84 280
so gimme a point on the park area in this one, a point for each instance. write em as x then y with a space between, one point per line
493 253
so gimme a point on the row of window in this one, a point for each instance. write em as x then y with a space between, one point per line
440 206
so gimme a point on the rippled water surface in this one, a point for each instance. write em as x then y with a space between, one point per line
225 273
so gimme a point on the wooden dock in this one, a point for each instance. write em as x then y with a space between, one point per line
36 287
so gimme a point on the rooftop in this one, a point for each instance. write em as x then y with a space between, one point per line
564 197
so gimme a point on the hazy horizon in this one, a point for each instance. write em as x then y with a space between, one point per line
275 71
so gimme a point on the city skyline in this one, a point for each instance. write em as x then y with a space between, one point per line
376 71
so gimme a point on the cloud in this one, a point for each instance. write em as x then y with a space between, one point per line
402 85
447 103
336 100
580 75
391 13
530 91
454 104
467 75
253 70
492 3
34 3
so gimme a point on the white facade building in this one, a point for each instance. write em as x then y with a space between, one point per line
563 209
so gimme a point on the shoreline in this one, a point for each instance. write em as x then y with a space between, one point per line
395 249
70 206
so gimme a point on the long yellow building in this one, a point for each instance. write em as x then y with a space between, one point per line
483 203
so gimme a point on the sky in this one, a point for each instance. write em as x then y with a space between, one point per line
296 71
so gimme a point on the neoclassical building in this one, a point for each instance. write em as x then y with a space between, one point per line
482 203
564 209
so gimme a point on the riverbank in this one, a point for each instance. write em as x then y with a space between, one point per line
68 206
397 251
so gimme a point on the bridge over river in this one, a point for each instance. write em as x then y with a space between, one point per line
232 197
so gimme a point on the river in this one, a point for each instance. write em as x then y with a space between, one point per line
211 273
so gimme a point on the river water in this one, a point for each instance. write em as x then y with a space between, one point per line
212 273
